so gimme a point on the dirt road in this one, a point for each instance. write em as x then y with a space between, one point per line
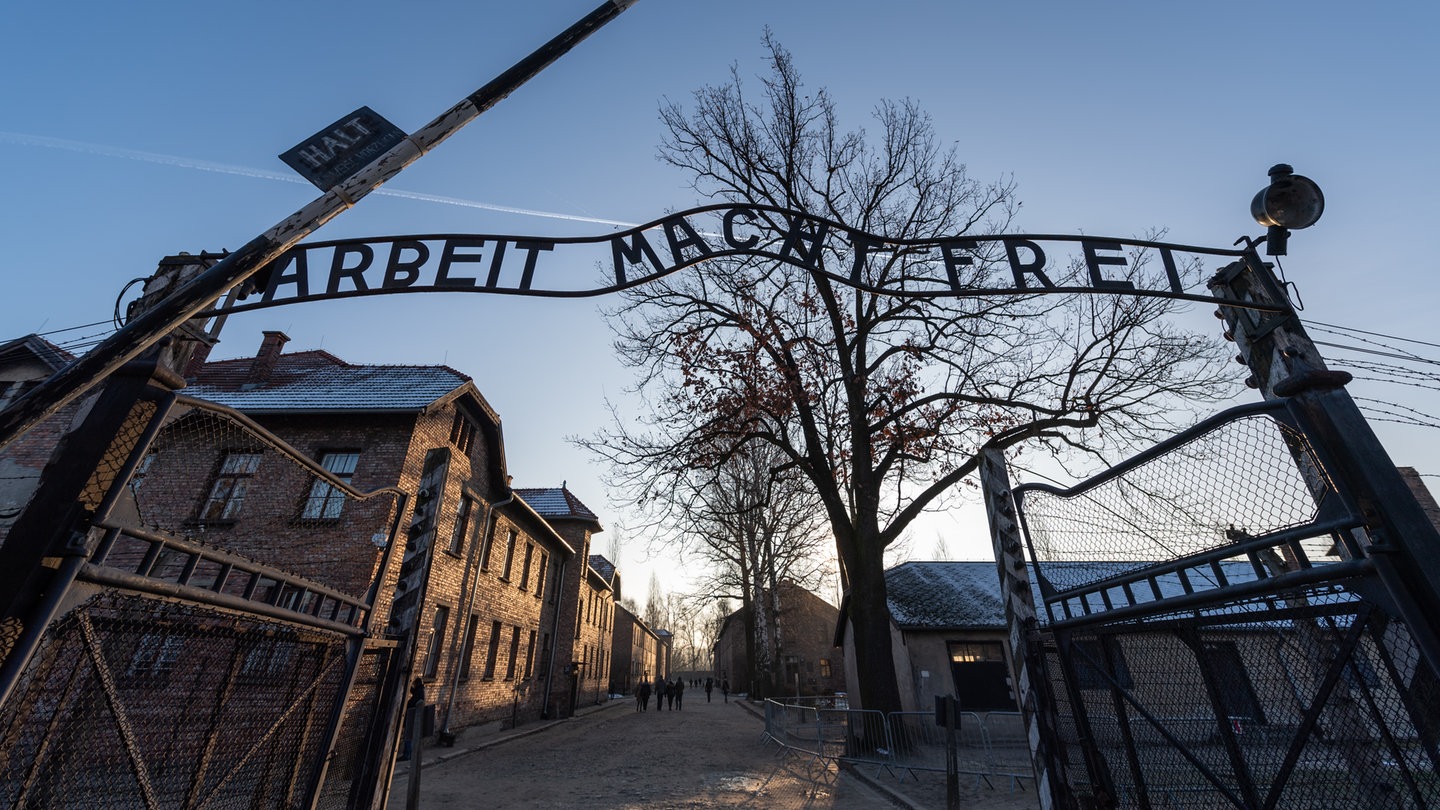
708 755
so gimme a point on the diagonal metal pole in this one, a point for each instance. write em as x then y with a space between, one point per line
201 292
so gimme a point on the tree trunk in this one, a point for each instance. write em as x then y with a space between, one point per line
879 690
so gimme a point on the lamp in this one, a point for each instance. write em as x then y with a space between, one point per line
1290 201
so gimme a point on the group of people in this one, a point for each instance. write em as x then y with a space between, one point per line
673 692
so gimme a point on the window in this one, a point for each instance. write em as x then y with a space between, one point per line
142 469
514 654
154 657
462 525
1237 694
269 658
462 433
468 651
485 543
525 570
493 651
227 493
540 575
509 554
437 641
325 501
530 655
11 391
544 668
824 667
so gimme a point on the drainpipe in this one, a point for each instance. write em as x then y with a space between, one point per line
467 591
554 637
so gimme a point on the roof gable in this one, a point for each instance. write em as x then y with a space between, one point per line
38 349
556 503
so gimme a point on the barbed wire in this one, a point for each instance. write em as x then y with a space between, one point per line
1407 368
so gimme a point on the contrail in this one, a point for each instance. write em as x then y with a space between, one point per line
244 171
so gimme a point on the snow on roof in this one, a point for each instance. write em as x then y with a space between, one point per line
937 595
319 381
555 503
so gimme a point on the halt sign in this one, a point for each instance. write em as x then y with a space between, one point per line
330 156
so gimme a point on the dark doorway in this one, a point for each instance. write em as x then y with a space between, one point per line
982 678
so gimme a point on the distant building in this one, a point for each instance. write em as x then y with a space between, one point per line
809 660
638 652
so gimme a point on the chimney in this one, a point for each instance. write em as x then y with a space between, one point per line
265 359
198 358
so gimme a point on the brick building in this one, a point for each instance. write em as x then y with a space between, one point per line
507 602
807 653
639 652
590 615
24 362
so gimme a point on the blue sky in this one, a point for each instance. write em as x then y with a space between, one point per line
133 131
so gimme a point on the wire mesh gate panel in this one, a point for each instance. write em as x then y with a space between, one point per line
211 652
1214 633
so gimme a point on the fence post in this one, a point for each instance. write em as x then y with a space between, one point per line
950 707
1031 686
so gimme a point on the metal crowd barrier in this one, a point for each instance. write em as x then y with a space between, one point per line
989 744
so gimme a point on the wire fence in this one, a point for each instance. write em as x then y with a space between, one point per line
212 651
1213 634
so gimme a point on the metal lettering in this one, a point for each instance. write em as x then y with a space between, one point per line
338 270
954 261
807 245
673 227
1020 269
954 265
1094 261
532 254
730 217
396 265
862 245
300 278
449 256
635 252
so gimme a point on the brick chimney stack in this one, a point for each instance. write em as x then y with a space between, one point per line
265 359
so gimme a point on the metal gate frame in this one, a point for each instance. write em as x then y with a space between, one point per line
56 560
1247 579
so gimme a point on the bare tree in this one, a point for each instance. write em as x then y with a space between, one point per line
883 403
756 522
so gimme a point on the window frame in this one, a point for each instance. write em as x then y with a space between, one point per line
227 506
324 501
460 534
435 648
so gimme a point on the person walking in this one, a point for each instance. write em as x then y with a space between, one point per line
659 694
709 684
679 691
725 689
642 696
